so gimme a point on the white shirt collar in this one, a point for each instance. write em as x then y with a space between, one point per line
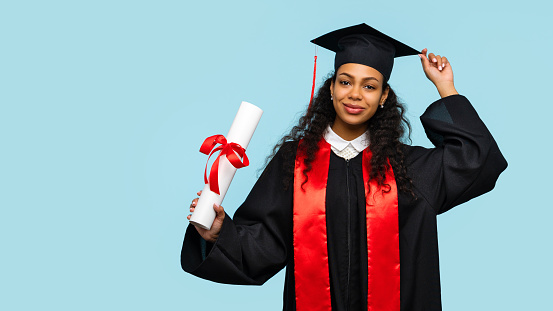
360 143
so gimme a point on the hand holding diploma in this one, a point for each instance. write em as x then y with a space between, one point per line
231 155
212 234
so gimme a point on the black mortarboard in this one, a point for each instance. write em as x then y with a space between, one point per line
362 44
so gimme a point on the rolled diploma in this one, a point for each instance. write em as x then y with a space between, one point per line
241 132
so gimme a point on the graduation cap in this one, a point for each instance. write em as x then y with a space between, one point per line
362 44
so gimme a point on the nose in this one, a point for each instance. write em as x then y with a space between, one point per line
355 93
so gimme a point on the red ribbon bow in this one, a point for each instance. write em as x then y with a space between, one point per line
233 151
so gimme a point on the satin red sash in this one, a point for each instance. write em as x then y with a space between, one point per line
312 282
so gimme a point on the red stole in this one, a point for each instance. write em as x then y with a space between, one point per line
310 239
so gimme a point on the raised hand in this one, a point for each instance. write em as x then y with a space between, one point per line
438 70
212 234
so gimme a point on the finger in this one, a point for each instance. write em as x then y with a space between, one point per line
219 210
192 209
188 217
444 61
424 51
194 202
439 62
424 60
432 58
199 192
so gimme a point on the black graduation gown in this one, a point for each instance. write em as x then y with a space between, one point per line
257 242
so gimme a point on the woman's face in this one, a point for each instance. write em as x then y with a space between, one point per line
357 93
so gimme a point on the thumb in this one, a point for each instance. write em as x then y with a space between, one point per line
219 210
424 61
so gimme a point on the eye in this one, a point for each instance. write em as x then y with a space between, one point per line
370 87
344 82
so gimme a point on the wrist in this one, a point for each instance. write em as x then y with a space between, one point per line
446 89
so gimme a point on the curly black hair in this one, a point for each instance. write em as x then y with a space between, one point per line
386 130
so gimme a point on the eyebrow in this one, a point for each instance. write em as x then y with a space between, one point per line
364 79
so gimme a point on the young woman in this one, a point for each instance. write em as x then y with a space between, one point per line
348 209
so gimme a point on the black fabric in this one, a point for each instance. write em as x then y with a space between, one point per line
366 50
362 44
345 230
257 242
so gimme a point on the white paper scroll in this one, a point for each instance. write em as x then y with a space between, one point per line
241 132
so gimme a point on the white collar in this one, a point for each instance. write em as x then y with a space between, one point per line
360 143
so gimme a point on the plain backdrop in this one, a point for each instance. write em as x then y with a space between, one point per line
104 104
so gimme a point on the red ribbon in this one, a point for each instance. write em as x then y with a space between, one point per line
233 151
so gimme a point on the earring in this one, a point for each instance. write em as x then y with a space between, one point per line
331 97
381 105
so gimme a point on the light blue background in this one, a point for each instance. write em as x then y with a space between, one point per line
103 109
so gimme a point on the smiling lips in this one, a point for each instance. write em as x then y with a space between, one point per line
353 109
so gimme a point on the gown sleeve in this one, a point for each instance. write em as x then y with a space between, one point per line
255 244
466 161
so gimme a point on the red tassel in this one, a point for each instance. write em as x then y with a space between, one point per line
313 86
